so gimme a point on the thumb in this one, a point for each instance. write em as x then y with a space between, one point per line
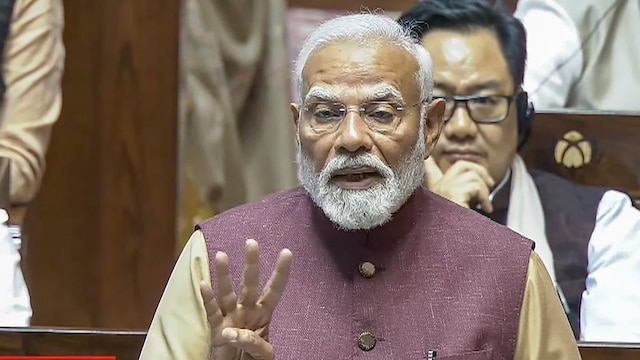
249 341
433 174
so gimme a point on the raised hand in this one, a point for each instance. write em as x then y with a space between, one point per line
240 325
464 183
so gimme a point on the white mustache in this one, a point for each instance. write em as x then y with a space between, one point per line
342 162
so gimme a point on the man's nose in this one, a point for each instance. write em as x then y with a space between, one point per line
461 126
354 134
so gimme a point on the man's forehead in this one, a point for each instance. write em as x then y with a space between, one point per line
468 59
354 65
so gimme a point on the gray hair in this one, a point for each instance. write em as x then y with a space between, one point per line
364 28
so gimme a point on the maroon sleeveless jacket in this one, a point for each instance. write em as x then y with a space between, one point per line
436 277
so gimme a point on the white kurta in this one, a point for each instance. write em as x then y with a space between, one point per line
15 305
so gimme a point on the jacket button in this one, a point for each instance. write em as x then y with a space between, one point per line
366 341
367 269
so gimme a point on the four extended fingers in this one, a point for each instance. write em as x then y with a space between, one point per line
226 298
217 306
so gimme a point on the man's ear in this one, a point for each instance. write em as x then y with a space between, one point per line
295 115
434 123
295 111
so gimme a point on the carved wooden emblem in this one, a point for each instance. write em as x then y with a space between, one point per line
573 151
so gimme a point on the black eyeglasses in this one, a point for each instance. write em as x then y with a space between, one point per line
483 109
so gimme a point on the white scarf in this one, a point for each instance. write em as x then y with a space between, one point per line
525 214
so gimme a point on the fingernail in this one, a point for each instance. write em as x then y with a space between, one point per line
229 334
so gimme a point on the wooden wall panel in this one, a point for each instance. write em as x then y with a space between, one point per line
101 232
593 148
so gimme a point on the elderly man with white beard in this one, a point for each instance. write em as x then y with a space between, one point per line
384 268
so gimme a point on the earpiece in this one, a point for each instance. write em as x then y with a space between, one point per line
526 113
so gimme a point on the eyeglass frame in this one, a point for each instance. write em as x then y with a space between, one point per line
465 99
397 106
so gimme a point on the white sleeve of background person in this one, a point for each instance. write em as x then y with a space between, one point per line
610 308
15 305
554 55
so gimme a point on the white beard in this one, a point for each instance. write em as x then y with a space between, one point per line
362 209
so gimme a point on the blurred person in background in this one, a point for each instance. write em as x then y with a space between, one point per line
609 32
554 57
32 67
587 237
234 92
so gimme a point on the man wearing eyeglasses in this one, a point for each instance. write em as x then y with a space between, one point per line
383 268
588 238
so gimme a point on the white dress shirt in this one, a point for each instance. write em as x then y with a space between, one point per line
554 55
611 302
15 305
610 309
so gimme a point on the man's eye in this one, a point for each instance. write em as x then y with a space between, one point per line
487 100
381 115
327 114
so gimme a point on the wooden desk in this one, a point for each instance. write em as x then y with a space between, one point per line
125 345
606 351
